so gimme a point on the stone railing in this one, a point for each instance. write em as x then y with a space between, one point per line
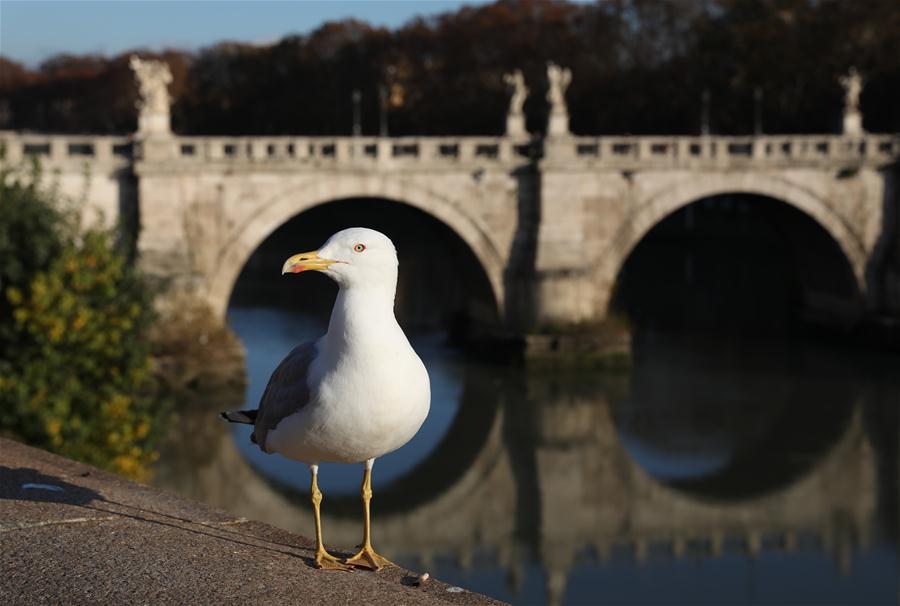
114 151
580 152
723 151
349 150
595 151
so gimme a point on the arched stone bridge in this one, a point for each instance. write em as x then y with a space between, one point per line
551 221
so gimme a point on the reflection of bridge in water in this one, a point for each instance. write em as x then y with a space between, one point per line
546 471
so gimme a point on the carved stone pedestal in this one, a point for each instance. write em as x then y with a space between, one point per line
853 124
515 126
558 125
155 148
153 124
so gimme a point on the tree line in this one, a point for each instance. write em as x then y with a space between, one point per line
639 67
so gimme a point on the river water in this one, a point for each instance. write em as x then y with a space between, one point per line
715 472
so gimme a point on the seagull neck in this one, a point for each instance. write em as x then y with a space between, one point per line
360 315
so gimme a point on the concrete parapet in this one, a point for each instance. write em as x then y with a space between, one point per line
74 534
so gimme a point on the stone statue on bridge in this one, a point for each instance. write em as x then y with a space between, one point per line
559 79
515 117
153 78
852 83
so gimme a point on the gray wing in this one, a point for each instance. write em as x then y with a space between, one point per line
286 393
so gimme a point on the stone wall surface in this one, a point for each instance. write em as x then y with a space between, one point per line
73 534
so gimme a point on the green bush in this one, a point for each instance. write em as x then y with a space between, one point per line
75 368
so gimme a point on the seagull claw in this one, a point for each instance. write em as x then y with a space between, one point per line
368 558
326 561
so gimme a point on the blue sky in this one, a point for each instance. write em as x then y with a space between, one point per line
32 30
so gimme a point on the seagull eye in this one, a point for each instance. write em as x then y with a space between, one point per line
359 247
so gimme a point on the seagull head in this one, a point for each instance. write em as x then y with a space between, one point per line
355 257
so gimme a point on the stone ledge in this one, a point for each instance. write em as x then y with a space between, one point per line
74 534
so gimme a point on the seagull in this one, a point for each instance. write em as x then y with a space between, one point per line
354 394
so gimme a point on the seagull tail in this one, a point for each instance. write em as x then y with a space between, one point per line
248 417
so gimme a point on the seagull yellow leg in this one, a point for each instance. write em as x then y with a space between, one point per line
366 557
323 558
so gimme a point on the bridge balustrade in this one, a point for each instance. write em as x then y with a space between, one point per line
62 149
687 151
605 151
613 151
348 150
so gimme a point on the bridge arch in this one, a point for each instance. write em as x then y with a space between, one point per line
659 205
651 209
310 193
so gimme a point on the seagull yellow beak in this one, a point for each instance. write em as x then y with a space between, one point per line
305 262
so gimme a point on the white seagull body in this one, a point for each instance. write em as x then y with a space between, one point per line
368 390
356 393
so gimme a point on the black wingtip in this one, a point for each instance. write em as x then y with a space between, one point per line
248 417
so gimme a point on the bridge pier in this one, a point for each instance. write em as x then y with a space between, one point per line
163 247
578 216
571 287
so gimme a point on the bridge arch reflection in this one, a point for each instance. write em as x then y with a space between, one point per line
471 442
536 468
723 415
